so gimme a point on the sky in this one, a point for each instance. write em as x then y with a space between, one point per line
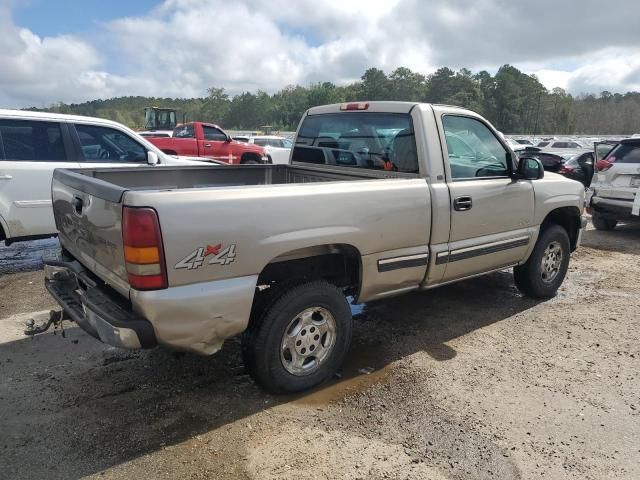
77 50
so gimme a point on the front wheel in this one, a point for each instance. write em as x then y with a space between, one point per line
300 337
544 272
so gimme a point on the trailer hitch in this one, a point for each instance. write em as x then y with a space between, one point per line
55 318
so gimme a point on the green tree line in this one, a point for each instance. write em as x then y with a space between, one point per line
512 100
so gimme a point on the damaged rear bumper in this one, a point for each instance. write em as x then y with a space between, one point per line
99 313
195 318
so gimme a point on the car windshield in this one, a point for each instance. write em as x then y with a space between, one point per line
379 141
269 142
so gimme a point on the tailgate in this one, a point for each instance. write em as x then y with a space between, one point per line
624 181
88 216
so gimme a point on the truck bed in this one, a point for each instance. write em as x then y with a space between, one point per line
110 184
263 211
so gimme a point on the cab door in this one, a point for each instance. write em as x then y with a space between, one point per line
215 145
491 212
30 150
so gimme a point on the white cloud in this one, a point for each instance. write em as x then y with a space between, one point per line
184 46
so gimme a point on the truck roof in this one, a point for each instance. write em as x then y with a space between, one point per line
377 106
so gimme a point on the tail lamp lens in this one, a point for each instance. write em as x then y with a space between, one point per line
143 254
603 165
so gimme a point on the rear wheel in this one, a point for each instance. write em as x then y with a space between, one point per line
603 223
544 272
299 338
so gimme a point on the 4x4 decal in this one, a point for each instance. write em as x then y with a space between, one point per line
218 254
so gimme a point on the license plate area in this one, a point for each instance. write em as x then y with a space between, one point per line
635 181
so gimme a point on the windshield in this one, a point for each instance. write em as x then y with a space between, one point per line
378 141
269 142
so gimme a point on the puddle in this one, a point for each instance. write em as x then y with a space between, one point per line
340 388
364 366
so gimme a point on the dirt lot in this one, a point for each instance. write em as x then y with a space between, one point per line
470 381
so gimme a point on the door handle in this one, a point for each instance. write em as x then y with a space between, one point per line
463 203
6 177
207 145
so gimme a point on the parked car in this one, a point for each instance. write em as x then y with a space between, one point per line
33 144
523 141
557 144
197 139
614 194
196 256
277 148
576 164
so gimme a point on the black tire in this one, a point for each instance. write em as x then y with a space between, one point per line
529 277
603 223
250 160
262 342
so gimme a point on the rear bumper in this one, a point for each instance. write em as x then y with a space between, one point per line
195 318
618 209
97 312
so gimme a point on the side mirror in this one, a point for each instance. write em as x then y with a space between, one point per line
530 168
228 139
152 158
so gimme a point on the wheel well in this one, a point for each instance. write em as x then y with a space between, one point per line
339 264
569 219
249 157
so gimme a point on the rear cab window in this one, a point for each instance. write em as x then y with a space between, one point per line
33 141
374 141
184 131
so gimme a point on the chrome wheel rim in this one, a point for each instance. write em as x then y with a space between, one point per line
551 262
308 341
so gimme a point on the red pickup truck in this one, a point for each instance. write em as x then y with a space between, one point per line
197 139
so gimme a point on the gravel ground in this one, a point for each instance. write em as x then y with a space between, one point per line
470 381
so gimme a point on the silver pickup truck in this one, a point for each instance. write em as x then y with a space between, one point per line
378 199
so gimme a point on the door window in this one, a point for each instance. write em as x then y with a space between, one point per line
32 141
103 144
213 133
473 150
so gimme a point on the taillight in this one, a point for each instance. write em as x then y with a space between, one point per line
603 165
354 106
566 169
143 254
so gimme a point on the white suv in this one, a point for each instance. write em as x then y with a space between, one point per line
615 189
277 148
33 144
